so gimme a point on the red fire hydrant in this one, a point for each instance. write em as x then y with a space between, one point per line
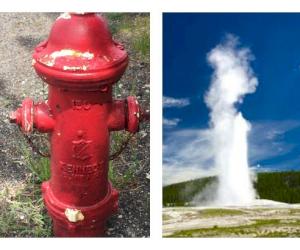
80 62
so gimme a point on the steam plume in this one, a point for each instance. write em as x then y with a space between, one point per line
232 79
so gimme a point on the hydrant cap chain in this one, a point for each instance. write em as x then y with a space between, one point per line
80 48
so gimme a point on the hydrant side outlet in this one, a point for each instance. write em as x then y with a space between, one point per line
80 62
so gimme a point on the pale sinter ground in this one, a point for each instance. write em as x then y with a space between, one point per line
263 218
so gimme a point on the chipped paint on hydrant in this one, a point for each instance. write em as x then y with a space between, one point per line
76 63
74 215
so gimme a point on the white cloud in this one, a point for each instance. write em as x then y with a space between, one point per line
170 102
266 139
171 122
188 154
175 174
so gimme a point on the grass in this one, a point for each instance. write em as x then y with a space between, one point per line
23 213
122 179
115 16
219 212
263 222
38 166
22 210
112 174
135 27
166 217
294 211
117 22
141 43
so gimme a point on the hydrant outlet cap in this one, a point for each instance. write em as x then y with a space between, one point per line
80 48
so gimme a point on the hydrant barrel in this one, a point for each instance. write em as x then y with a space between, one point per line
80 62
79 161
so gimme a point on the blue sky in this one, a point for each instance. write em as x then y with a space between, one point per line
273 110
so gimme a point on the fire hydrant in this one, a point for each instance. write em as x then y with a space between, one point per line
80 62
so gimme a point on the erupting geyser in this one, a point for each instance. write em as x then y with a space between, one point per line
233 78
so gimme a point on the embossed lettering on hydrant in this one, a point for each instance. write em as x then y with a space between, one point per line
81 147
88 171
81 105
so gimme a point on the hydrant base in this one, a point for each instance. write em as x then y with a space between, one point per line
60 230
92 223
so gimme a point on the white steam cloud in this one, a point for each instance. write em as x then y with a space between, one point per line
233 78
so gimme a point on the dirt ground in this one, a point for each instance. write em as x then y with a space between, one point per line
282 220
20 33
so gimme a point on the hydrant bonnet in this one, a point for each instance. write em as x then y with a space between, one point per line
80 51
